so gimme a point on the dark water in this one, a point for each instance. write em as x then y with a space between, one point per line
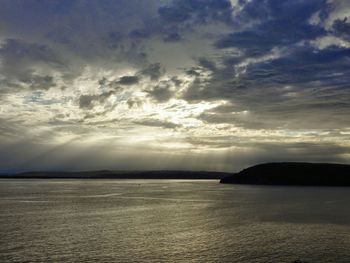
171 221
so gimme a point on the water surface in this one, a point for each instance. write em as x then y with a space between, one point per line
171 221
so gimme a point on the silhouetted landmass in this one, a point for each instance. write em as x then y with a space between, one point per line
119 175
318 174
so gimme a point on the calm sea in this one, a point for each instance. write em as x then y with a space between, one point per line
171 221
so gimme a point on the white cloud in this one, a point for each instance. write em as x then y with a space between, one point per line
327 41
340 10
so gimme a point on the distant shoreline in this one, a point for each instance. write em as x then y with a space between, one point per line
288 173
190 175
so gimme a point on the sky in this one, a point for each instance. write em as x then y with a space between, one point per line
173 84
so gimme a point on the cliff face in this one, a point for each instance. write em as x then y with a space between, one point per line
293 174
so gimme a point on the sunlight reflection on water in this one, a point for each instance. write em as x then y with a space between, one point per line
171 221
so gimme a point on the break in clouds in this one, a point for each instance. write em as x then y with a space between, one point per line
173 84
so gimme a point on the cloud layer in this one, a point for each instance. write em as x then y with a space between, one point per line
173 84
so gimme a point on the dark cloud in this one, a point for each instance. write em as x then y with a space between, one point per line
172 37
128 80
176 81
36 82
341 28
295 90
179 16
139 33
206 63
158 123
173 14
16 50
199 11
27 80
154 71
284 11
280 23
165 90
20 59
303 65
134 102
161 93
87 101
193 71
110 84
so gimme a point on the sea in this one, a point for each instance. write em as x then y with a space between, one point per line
171 221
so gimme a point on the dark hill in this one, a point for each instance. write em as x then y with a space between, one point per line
319 174
106 174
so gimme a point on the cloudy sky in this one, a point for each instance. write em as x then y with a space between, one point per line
173 84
